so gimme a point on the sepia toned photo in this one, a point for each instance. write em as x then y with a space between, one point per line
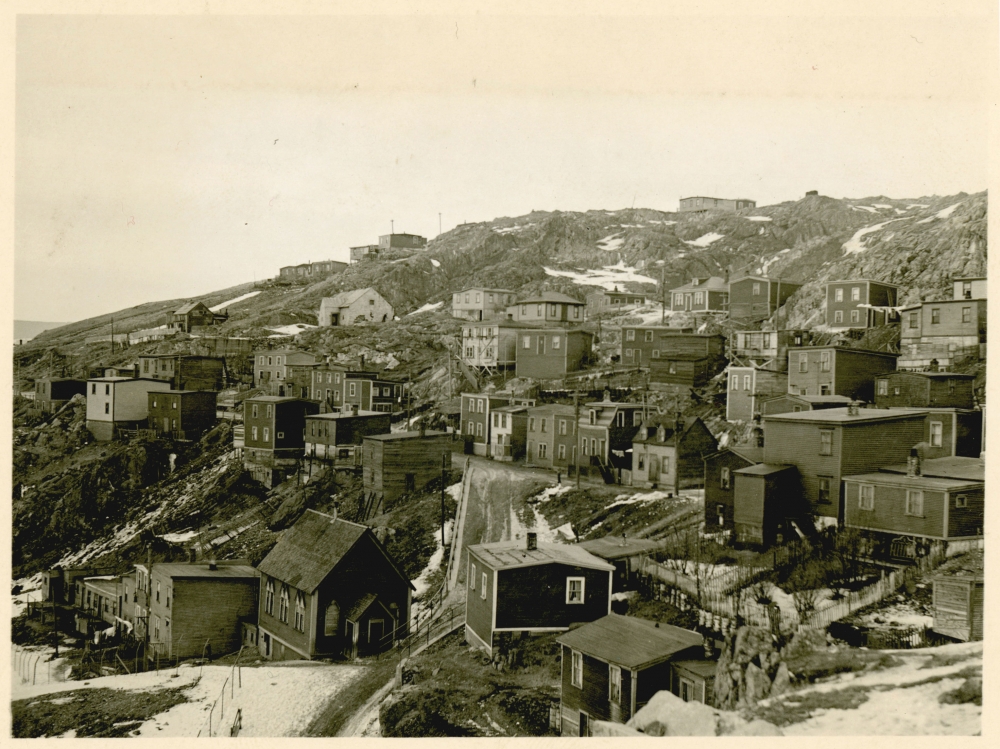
499 370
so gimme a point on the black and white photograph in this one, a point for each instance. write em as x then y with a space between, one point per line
497 370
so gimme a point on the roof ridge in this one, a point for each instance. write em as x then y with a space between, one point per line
338 518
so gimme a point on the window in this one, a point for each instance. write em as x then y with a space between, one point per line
543 449
642 462
734 382
756 289
966 314
562 452
855 293
824 361
555 341
562 426
914 320
724 478
156 629
173 404
470 430
937 429
615 684
93 388
269 411
526 341
915 503
538 310
838 315
824 490
574 589
253 433
839 295
279 435
628 353
866 497
283 604
593 416
107 408
935 316
353 389
678 299
746 382
253 410
576 312
267 434
648 336
767 340
656 353
699 297
636 418
270 361
576 668
482 589
479 429
157 591
524 309
883 387
472 577
531 424
629 335
824 390
803 362
479 298
542 423
107 390
620 419
855 315
826 442
961 501
300 612
967 289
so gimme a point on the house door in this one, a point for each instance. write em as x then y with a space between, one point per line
267 645
687 690
654 467
584 724
687 302
351 651
166 424
334 319
376 631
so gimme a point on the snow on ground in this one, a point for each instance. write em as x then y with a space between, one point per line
704 240
899 615
427 308
434 563
511 229
856 244
435 263
231 302
608 277
553 491
611 242
32 664
652 314
948 211
179 538
31 590
864 208
881 205
294 329
918 205
757 218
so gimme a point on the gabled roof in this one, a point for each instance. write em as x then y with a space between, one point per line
511 554
551 297
629 641
184 309
782 281
750 453
310 550
712 283
347 298
654 422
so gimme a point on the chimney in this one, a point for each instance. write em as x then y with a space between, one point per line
709 648
532 541
624 540
336 507
852 408
934 365
212 564
913 463
607 395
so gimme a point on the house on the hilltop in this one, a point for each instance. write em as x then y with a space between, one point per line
308 271
402 463
668 452
701 295
766 349
193 315
837 370
491 346
401 241
604 301
519 587
358 307
479 303
364 252
938 334
115 403
329 588
758 297
611 668
548 307
700 204
861 303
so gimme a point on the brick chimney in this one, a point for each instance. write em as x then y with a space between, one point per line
913 463
607 396
532 541
852 408
934 366
212 564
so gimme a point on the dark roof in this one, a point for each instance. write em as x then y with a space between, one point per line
933 375
753 453
835 347
404 435
919 482
312 548
360 606
510 554
629 641
184 309
820 398
612 547
703 668
764 469
665 420
973 469
181 570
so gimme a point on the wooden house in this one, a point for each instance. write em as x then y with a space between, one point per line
625 553
548 307
644 345
327 383
700 204
115 403
861 303
720 483
950 432
182 414
925 390
184 372
358 307
835 370
52 393
311 271
274 436
959 606
66 584
668 453
766 349
701 295
100 597
755 298
372 391
509 433
401 241
491 346
194 315
364 252
521 586
611 667
477 420
972 287
938 334
551 436
832 443
402 463
270 368
299 379
767 499
932 500
604 302
749 387
552 353
479 303
789 403
606 430
200 605
329 588
338 435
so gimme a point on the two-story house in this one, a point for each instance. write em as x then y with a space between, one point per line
941 333
552 436
274 436
766 349
182 414
522 586
194 315
402 463
836 370
972 287
749 387
336 435
329 588
52 393
372 391
668 452
185 372
270 368
701 295
720 468
758 297
604 301
327 384
861 303
606 430
548 307
476 420
509 432
552 353
115 403
480 303
673 356
611 667
491 346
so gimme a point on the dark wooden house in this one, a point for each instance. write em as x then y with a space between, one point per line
767 349
518 587
193 315
551 436
274 436
624 553
958 606
52 393
836 370
925 389
861 303
720 483
767 499
552 353
607 429
477 420
749 388
942 333
329 588
701 295
327 435
668 453
182 414
611 668
372 391
185 372
757 298
402 463
695 357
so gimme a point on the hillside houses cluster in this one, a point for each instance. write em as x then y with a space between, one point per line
315 271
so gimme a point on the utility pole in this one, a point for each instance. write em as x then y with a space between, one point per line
663 295
392 226
112 336
444 480
678 431
576 422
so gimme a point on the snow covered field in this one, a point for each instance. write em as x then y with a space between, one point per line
294 329
612 242
704 240
427 307
608 277
231 302
944 213
757 218
856 243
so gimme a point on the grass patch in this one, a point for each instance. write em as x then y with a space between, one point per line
796 709
970 692
335 715
813 666
102 713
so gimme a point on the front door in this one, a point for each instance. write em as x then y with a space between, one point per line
376 631
267 645
166 424
584 724
351 651
334 319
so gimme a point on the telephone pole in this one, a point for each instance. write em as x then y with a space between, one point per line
444 480
678 431
576 422
663 295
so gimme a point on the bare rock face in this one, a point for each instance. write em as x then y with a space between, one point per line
782 681
668 715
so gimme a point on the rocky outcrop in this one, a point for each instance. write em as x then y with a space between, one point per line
668 715
749 667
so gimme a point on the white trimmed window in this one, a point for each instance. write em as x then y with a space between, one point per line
482 590
839 295
562 453
629 335
615 684
575 589
866 497
472 577
724 478
576 668
937 429
648 336
555 341
300 612
269 597
526 341
915 503
961 501
283 604
855 294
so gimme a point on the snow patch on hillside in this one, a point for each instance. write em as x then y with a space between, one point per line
293 329
704 240
231 302
608 277
611 242
882 205
426 308
856 244
435 263
867 208
757 218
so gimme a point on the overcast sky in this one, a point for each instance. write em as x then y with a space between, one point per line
165 157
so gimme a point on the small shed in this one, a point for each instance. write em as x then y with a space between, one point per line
958 606
761 501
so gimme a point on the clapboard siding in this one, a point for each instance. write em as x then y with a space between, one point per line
529 597
715 494
968 520
479 608
889 513
207 611
388 463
